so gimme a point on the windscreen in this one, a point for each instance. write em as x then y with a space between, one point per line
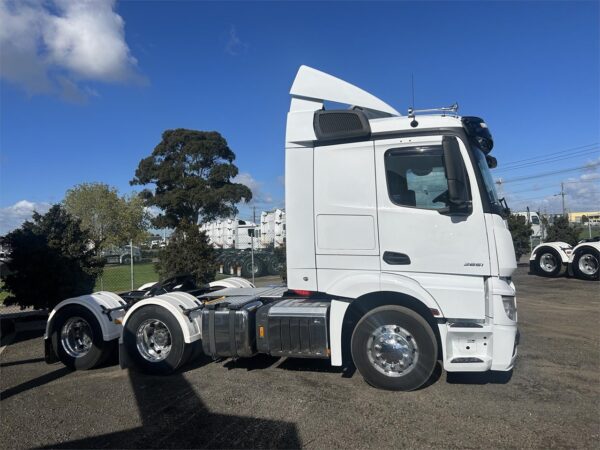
488 180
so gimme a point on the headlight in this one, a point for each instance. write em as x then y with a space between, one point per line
510 307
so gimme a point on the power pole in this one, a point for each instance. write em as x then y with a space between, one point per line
562 194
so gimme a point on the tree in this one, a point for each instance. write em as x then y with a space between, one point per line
52 259
561 230
520 230
191 172
110 219
188 252
584 219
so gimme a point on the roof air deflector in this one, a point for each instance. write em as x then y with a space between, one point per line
314 84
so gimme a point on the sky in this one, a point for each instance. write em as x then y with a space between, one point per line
87 88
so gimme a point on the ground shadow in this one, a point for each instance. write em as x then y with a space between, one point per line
309 365
435 376
258 362
489 377
21 362
36 382
21 336
174 416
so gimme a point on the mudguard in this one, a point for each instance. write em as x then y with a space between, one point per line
594 245
175 303
564 250
111 328
232 282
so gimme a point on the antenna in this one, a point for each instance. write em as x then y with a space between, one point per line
412 81
411 111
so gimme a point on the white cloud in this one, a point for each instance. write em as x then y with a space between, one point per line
235 46
259 197
13 216
582 193
53 46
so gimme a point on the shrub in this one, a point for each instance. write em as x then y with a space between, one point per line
188 252
561 230
520 231
51 260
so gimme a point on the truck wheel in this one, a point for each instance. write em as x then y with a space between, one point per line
585 264
394 348
247 267
154 340
274 265
547 262
77 338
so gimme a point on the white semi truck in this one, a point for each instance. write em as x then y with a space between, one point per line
398 255
550 259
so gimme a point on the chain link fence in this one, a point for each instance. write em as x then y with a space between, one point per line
252 248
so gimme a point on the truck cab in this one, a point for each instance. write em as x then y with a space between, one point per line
385 210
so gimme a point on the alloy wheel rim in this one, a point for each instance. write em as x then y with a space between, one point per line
547 262
76 337
588 264
153 340
392 350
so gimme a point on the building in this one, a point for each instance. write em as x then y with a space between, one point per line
592 216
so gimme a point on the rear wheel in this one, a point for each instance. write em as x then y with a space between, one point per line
394 348
548 262
154 340
77 338
248 268
585 264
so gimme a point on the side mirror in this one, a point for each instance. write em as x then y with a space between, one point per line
458 192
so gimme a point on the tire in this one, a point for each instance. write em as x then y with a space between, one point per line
149 355
259 267
126 260
396 325
547 262
585 264
274 265
77 338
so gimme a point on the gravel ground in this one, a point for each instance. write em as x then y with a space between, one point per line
550 400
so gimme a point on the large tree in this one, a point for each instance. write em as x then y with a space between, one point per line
111 219
191 172
51 260
521 231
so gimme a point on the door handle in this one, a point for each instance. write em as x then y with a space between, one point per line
395 259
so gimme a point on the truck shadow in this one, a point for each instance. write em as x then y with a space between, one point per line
490 377
174 416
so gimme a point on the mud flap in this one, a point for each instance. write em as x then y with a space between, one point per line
50 355
124 359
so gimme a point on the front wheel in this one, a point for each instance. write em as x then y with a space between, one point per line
548 262
77 338
394 348
154 340
585 264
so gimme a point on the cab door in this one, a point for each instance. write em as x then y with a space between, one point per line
417 233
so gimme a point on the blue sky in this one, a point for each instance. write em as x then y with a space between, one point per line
75 110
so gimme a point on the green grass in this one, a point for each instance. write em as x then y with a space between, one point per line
118 278
585 233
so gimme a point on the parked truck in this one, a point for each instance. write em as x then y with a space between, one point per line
398 255
551 259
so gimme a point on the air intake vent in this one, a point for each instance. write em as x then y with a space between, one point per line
341 124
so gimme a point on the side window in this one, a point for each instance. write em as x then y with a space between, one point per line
416 177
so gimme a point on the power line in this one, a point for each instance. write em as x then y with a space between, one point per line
553 153
546 174
551 160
